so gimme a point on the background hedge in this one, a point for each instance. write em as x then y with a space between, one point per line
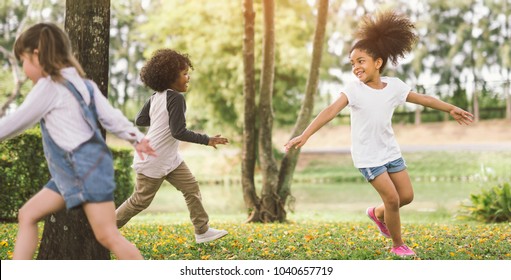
23 172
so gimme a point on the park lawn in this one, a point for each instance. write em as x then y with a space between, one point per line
309 241
328 223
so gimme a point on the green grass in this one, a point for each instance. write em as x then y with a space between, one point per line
326 219
422 166
309 241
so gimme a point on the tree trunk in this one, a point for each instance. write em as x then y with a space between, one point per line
418 108
289 161
67 234
269 197
475 100
249 127
507 94
275 186
19 79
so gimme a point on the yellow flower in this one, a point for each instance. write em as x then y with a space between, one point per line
291 248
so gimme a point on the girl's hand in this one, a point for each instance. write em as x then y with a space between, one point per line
217 140
461 116
296 142
144 147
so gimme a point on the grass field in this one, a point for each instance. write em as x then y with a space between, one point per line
159 240
327 219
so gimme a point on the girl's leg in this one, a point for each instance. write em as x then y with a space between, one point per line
404 188
390 196
40 205
101 217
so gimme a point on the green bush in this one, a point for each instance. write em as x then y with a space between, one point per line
491 205
24 172
123 158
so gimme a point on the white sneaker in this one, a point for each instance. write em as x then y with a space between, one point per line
210 235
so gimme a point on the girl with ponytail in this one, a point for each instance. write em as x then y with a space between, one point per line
68 108
372 100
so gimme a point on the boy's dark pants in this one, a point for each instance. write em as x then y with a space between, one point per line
145 190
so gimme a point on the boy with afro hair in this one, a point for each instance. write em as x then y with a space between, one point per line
166 72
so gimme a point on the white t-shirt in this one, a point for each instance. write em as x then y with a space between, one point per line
162 141
372 137
61 111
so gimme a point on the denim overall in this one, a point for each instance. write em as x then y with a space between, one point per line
85 174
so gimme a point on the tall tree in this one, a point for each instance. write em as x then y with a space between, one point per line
67 234
267 160
288 163
249 129
276 183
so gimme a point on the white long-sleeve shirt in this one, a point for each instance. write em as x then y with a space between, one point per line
164 113
61 111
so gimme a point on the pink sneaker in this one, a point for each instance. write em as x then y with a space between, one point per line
402 251
381 226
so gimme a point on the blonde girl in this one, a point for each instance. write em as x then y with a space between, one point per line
68 108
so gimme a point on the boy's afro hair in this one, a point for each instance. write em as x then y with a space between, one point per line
163 69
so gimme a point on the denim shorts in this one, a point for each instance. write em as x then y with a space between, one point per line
392 167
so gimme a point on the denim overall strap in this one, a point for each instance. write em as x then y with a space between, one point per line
89 112
85 173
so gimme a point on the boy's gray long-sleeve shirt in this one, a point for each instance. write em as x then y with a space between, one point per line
164 113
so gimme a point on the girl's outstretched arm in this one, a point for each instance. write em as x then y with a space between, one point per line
460 115
321 119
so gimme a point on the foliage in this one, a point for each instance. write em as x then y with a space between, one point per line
491 205
214 43
123 159
24 171
14 19
458 40
308 241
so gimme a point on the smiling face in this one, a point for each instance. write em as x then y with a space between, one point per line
181 83
365 67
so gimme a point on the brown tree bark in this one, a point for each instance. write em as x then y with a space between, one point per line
249 128
67 235
269 169
288 163
276 185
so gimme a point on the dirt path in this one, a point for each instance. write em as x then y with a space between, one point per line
484 135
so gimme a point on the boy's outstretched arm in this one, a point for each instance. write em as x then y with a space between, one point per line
217 140
176 107
460 115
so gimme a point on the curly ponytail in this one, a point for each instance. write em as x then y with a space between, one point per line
386 36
